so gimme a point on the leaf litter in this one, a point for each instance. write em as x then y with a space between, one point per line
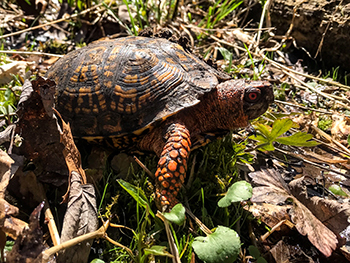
272 189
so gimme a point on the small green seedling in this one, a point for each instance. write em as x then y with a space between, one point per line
267 136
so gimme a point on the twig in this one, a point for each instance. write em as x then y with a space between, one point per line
203 227
305 108
144 168
50 23
279 224
29 53
315 90
99 233
55 236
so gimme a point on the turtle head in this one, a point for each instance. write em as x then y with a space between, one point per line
244 100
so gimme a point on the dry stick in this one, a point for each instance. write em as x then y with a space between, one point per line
173 249
99 233
55 236
328 96
203 227
144 168
329 138
29 53
282 222
304 107
50 23
315 90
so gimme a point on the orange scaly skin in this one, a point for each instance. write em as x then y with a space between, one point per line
172 165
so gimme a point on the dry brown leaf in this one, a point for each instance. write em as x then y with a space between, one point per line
80 219
13 226
41 138
29 245
8 224
274 190
71 154
8 70
270 214
333 214
280 252
340 127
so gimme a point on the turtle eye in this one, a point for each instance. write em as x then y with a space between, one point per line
252 96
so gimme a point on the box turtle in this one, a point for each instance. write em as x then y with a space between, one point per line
150 94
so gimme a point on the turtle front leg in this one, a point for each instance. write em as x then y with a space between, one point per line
172 166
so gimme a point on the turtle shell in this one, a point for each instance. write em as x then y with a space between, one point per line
124 86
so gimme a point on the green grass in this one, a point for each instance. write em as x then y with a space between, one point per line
214 171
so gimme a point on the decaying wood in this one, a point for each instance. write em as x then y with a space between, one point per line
320 26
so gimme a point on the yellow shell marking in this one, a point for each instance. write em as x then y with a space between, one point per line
108 84
80 100
113 105
102 101
130 78
181 56
169 60
144 80
108 74
131 93
84 90
143 98
95 109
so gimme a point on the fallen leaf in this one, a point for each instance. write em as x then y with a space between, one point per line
269 214
8 70
280 252
335 215
275 191
80 218
29 245
71 154
8 224
41 139
340 127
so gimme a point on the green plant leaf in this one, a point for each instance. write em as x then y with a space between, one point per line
237 192
336 189
263 129
279 127
222 246
261 260
157 251
260 138
225 53
97 260
176 215
254 252
137 194
298 139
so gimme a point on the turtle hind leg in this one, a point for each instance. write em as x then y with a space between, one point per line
172 166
